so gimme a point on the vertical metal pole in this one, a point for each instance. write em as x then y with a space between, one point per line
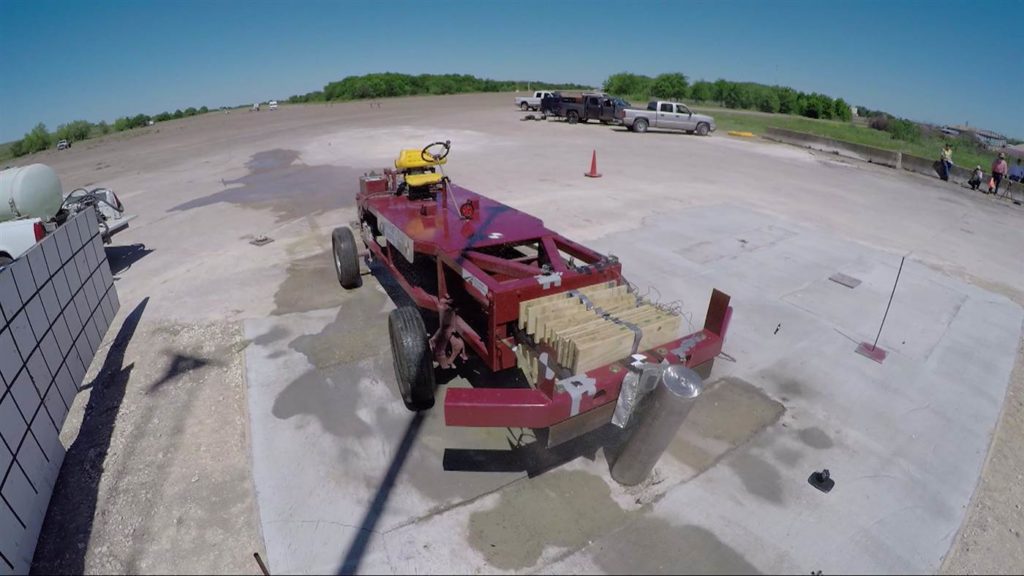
890 302
656 424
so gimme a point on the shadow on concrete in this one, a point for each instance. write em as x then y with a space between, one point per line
658 132
354 555
64 539
534 458
180 364
121 258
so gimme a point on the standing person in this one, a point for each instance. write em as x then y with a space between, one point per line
947 161
1017 172
998 171
976 177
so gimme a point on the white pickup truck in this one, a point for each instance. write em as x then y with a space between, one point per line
667 116
32 205
532 102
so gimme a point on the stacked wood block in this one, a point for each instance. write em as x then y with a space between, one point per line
584 339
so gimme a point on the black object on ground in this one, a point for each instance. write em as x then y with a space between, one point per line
822 481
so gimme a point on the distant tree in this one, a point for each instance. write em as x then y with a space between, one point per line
179 114
738 96
37 139
203 110
902 129
768 100
671 86
841 110
702 91
163 117
625 83
17 148
721 88
788 100
190 111
817 106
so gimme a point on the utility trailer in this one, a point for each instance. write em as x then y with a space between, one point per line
519 296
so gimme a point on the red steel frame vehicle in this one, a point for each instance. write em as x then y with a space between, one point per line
473 261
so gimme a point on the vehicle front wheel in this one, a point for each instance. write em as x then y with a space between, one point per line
640 125
346 257
410 350
5 260
702 129
524 107
572 117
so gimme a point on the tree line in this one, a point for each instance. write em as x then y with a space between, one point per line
760 97
39 138
390 84
737 95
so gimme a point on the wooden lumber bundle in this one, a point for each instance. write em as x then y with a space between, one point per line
582 339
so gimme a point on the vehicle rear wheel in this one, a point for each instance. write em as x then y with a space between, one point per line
640 125
572 117
702 129
524 106
410 350
346 257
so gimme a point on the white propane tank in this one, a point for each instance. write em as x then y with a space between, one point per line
32 191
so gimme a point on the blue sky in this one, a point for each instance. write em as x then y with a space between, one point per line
97 60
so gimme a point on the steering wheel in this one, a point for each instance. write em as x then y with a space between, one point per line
430 157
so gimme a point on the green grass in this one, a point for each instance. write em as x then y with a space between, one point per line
928 147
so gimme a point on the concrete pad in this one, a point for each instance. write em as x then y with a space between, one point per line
328 427
904 441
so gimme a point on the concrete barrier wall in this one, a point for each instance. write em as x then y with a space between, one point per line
917 164
56 303
921 165
849 149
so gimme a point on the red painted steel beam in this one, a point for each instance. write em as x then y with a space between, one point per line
490 263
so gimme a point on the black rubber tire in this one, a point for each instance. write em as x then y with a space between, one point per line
346 257
640 125
5 260
410 350
572 117
703 129
524 106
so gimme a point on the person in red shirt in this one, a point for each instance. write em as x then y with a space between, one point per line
999 169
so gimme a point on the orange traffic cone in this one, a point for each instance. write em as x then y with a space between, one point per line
593 167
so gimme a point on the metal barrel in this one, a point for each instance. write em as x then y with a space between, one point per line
660 416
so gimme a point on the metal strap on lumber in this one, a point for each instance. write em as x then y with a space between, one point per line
638 333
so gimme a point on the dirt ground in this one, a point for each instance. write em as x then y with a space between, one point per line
157 477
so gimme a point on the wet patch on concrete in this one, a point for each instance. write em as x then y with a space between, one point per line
815 438
650 545
311 284
358 332
562 509
350 392
279 181
788 456
726 416
759 476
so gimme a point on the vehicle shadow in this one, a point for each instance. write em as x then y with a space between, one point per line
533 458
656 132
121 258
67 527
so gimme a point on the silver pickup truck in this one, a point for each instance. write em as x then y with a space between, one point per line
667 116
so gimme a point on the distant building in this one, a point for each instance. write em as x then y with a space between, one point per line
986 137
